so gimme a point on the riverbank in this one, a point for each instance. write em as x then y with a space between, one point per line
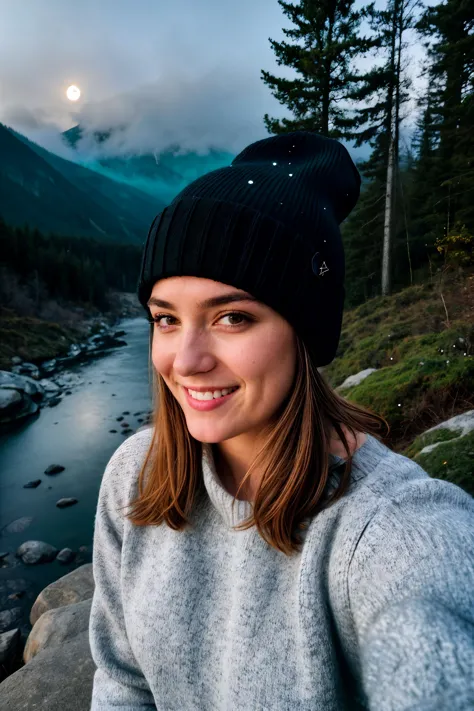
34 340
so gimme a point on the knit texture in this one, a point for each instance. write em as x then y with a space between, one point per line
267 224
376 611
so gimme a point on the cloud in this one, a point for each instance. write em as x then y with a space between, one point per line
222 109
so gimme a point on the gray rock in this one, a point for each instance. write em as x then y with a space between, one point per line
32 484
9 645
22 383
49 386
52 681
54 469
29 369
10 399
56 627
33 552
353 380
3 554
76 586
9 618
65 555
17 526
62 503
16 360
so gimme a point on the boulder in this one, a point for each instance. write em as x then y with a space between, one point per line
56 679
57 627
462 424
10 400
354 380
33 552
65 555
9 618
29 369
76 586
9 645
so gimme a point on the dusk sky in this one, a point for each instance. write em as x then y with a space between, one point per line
182 71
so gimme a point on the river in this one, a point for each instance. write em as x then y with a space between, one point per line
74 433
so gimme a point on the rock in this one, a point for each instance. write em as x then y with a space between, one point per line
33 552
66 555
126 412
56 627
353 380
54 680
10 400
29 369
127 431
32 484
124 424
139 419
463 424
54 469
23 383
117 334
3 554
119 419
17 526
73 587
9 645
48 365
54 401
19 397
62 503
49 386
9 618
16 360
112 431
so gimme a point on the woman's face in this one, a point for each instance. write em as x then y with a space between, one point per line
203 346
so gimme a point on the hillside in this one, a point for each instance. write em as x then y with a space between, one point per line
162 175
53 194
420 343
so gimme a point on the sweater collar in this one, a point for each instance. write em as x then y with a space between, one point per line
234 511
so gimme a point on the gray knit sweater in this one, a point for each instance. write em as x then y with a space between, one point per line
376 611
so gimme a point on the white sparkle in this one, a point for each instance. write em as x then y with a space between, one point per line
290 174
399 404
274 164
250 182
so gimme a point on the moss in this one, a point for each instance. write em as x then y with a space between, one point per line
443 434
453 461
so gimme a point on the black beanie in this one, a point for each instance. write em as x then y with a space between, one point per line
267 224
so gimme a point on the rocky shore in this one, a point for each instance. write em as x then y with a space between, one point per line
26 386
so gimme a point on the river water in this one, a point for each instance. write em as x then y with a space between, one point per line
75 434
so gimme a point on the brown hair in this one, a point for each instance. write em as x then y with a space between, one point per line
294 458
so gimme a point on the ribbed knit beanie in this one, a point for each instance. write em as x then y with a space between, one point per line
267 224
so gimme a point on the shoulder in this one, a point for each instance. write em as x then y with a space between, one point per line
123 467
410 526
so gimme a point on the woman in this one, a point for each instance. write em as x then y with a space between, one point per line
277 555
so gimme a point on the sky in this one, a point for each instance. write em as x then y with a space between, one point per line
181 71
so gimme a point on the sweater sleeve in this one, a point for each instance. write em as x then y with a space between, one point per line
118 681
411 593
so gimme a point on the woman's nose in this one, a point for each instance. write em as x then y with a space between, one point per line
192 355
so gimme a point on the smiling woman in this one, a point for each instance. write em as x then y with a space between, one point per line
276 554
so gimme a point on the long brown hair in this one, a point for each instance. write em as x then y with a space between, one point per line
294 459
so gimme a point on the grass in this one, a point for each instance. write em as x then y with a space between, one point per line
424 361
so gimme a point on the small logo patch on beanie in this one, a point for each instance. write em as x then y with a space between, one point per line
318 268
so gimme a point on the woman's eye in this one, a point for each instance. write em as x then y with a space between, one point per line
236 319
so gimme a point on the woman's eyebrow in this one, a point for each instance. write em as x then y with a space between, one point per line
207 304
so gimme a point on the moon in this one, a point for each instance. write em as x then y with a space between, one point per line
73 93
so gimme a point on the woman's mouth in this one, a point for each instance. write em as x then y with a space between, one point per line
210 399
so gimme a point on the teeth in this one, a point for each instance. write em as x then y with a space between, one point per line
210 395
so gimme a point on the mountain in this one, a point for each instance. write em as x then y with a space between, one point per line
57 195
162 175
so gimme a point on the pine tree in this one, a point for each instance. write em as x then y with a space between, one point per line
328 30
